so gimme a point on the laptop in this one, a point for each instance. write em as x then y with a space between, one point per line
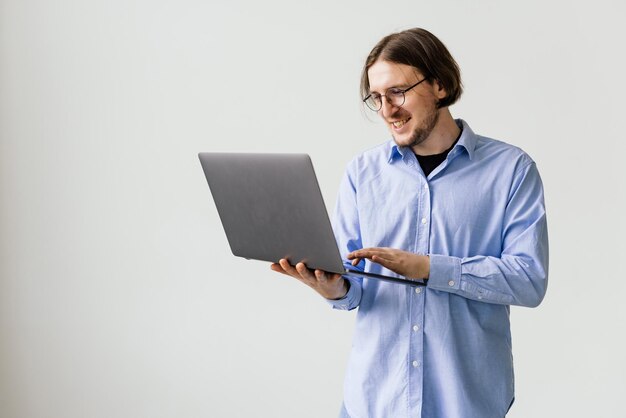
271 207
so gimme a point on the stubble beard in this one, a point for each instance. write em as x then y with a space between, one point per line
423 131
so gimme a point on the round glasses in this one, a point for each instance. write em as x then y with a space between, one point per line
394 97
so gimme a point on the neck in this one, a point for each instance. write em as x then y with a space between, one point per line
442 136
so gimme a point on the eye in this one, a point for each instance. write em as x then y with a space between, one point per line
394 92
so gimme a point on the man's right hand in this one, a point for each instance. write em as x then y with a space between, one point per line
329 285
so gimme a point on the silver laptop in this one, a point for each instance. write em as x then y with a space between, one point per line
271 207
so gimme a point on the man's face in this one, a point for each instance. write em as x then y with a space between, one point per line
413 122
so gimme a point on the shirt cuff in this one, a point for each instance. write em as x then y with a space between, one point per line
350 300
445 273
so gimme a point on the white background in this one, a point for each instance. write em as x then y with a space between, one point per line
119 296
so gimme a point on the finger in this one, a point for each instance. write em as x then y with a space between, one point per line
288 268
367 253
304 272
358 254
385 252
390 264
285 264
388 254
278 269
370 250
378 258
356 261
320 275
361 253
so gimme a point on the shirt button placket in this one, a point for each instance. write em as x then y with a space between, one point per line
416 350
418 300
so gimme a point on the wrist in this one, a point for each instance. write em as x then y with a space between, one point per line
344 289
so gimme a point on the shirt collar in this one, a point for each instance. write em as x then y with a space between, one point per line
467 140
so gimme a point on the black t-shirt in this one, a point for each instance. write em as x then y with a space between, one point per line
430 162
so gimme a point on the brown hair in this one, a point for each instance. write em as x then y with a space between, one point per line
422 50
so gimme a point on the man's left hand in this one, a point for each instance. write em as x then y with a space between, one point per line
409 265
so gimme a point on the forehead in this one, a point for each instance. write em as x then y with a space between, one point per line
384 74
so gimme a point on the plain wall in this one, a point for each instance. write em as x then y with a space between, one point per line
119 296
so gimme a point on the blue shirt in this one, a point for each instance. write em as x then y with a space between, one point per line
443 350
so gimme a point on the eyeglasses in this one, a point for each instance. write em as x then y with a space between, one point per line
394 96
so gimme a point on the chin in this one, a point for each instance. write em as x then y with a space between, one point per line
402 141
411 139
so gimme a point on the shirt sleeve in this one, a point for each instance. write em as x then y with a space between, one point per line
348 235
520 275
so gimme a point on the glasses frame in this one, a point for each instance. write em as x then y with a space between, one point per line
403 91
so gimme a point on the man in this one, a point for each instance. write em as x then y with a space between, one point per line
437 203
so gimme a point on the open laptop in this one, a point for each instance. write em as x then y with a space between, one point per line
271 207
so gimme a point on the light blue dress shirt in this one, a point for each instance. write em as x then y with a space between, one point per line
443 350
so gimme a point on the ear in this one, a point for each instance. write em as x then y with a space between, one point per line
439 91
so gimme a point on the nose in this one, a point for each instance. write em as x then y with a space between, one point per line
387 108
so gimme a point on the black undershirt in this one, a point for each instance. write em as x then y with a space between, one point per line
430 162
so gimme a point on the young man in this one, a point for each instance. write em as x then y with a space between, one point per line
442 204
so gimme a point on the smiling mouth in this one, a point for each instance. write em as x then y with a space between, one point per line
400 123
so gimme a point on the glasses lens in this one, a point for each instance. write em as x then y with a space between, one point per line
396 97
373 102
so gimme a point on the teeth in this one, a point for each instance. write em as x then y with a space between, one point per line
399 123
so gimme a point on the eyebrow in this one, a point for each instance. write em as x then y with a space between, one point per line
399 86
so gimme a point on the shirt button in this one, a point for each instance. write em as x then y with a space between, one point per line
418 290
423 220
426 186
416 363
416 327
451 283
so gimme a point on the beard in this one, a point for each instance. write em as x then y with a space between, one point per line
423 130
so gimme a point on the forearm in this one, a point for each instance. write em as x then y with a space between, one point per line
510 280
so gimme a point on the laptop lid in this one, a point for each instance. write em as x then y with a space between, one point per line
271 207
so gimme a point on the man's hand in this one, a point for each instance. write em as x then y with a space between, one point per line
409 265
330 286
